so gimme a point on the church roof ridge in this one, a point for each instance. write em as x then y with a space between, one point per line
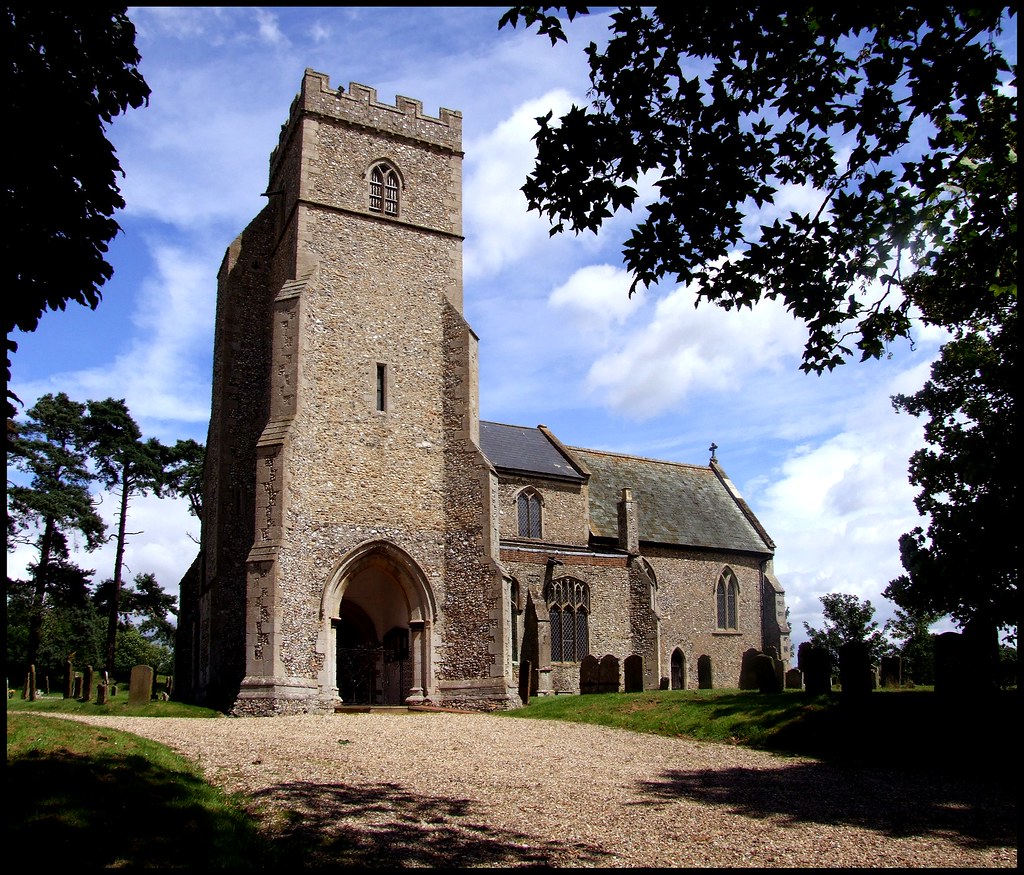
637 458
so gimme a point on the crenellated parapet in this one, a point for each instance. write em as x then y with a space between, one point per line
360 106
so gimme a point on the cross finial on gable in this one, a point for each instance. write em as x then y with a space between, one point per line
713 447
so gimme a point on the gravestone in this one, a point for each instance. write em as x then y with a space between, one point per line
140 688
816 665
705 680
951 669
891 671
766 672
855 675
633 673
77 692
748 669
794 679
101 694
69 679
608 674
590 674
87 683
663 684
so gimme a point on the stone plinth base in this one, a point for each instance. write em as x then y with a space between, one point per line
274 697
477 694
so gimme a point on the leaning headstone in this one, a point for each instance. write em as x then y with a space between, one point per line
891 671
69 678
951 670
748 670
794 679
816 664
608 674
633 673
87 683
590 674
101 694
705 680
140 688
855 674
766 673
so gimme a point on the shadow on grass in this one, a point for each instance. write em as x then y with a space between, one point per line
79 812
901 764
385 825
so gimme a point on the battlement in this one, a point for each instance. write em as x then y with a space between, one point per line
360 106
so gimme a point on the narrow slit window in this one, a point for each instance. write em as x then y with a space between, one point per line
382 386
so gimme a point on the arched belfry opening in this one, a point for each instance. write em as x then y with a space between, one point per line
376 620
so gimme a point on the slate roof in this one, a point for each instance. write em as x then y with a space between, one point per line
677 504
521 450
686 505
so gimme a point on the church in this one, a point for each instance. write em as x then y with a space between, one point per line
366 538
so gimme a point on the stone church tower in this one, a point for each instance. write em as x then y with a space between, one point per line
349 512
366 538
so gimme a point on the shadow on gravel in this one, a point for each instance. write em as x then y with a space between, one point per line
315 826
977 815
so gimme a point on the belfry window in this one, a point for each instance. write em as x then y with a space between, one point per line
568 603
726 598
384 190
528 508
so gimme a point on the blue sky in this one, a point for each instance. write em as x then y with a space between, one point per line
822 460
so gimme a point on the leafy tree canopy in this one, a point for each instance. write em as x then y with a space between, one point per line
846 618
52 447
183 473
965 561
876 110
67 72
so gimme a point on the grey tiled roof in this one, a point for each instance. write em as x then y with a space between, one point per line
686 505
523 450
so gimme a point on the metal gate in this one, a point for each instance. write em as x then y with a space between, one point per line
372 675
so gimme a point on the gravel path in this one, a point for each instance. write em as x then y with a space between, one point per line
474 790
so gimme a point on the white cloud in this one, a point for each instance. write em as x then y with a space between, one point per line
838 506
597 300
163 373
499 228
681 350
161 542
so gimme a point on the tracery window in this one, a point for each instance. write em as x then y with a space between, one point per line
568 603
528 507
384 190
726 599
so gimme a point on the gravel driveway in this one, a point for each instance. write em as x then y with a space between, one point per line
473 790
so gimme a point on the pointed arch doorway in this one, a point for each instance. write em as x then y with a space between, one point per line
378 613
